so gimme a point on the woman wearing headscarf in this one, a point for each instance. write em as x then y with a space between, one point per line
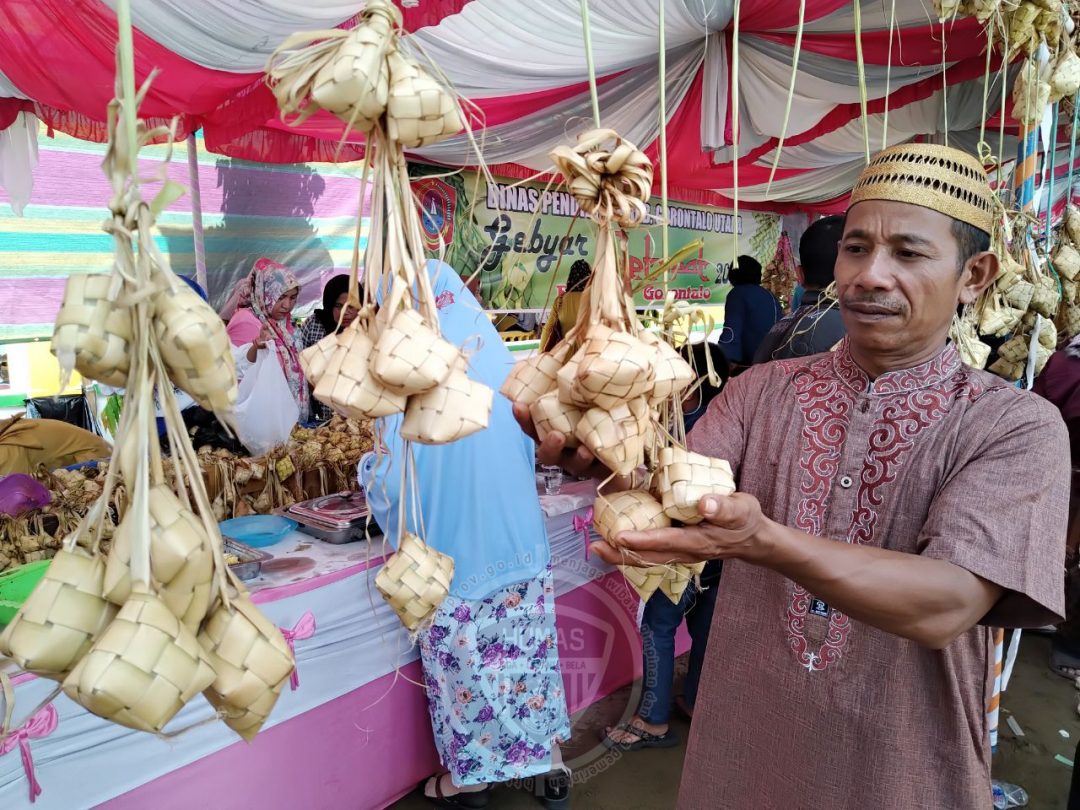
491 666
564 311
267 322
324 321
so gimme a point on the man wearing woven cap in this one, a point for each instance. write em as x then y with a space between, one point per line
893 505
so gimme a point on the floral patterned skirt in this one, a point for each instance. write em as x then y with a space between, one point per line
494 688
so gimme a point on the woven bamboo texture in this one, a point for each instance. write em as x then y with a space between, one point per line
614 367
617 436
452 410
181 559
143 669
684 478
93 330
195 348
409 357
551 414
419 110
414 580
63 615
252 661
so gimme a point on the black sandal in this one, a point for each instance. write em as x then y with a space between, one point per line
644 739
556 792
474 800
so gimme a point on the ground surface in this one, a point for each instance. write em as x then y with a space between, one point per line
1042 704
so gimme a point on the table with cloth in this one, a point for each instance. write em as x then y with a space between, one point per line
354 732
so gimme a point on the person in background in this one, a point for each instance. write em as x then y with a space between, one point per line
27 444
649 727
491 664
564 311
749 312
815 326
268 320
324 321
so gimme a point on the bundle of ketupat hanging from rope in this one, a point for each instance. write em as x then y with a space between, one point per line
392 359
134 637
611 384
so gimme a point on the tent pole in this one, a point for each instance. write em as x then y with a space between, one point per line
196 211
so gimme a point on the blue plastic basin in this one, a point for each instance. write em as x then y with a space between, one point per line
258 530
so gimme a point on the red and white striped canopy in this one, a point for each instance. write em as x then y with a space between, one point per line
523 64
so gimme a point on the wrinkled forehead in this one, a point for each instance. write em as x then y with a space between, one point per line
890 220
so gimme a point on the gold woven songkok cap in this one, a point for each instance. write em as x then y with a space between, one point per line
936 177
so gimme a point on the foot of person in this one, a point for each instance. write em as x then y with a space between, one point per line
445 785
623 737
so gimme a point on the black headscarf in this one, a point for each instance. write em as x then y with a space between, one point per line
333 289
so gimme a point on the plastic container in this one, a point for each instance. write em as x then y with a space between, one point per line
258 531
250 561
16 586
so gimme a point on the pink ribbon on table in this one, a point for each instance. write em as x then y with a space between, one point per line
304 629
583 524
40 725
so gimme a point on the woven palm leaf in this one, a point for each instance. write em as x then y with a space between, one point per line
452 410
1065 80
614 367
1015 349
181 559
409 356
414 580
63 615
1067 261
646 581
567 383
672 374
677 578
999 320
419 110
195 347
1069 320
143 669
616 436
252 662
92 333
315 359
551 414
1019 294
1046 298
684 478
1072 223
634 510
531 378
349 388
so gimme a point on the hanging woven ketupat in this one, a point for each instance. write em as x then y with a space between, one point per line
92 334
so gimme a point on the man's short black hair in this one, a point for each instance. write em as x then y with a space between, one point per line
817 251
748 271
970 241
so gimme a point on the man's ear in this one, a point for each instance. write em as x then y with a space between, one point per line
979 273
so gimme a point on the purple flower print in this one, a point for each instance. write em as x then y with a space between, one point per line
518 753
493 655
462 613
438 632
522 712
485 715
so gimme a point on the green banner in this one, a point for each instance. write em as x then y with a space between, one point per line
523 238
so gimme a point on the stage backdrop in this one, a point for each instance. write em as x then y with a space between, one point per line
524 237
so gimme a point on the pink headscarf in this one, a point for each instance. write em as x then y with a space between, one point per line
269 282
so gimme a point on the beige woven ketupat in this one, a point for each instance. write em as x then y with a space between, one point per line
1014 350
415 580
93 333
678 578
143 669
1070 320
634 510
567 383
195 347
1046 297
1065 80
181 559
419 110
614 367
349 388
532 377
999 319
1067 261
551 414
616 437
1018 295
684 478
63 615
251 659
409 356
646 581
454 409
1072 223
315 359
672 373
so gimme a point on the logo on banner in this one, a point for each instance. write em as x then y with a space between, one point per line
437 203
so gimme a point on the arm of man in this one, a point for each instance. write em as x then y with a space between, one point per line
991 548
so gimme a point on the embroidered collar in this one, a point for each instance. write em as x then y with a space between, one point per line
930 374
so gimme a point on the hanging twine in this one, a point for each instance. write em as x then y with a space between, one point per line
791 94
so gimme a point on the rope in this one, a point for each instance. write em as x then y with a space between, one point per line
791 93
589 63
888 78
663 136
862 79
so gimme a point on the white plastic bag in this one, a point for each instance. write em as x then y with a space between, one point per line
266 411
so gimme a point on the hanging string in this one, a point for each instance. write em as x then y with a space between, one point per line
127 84
862 79
982 147
1001 113
944 86
735 133
663 138
790 94
1072 146
888 77
1050 181
589 63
